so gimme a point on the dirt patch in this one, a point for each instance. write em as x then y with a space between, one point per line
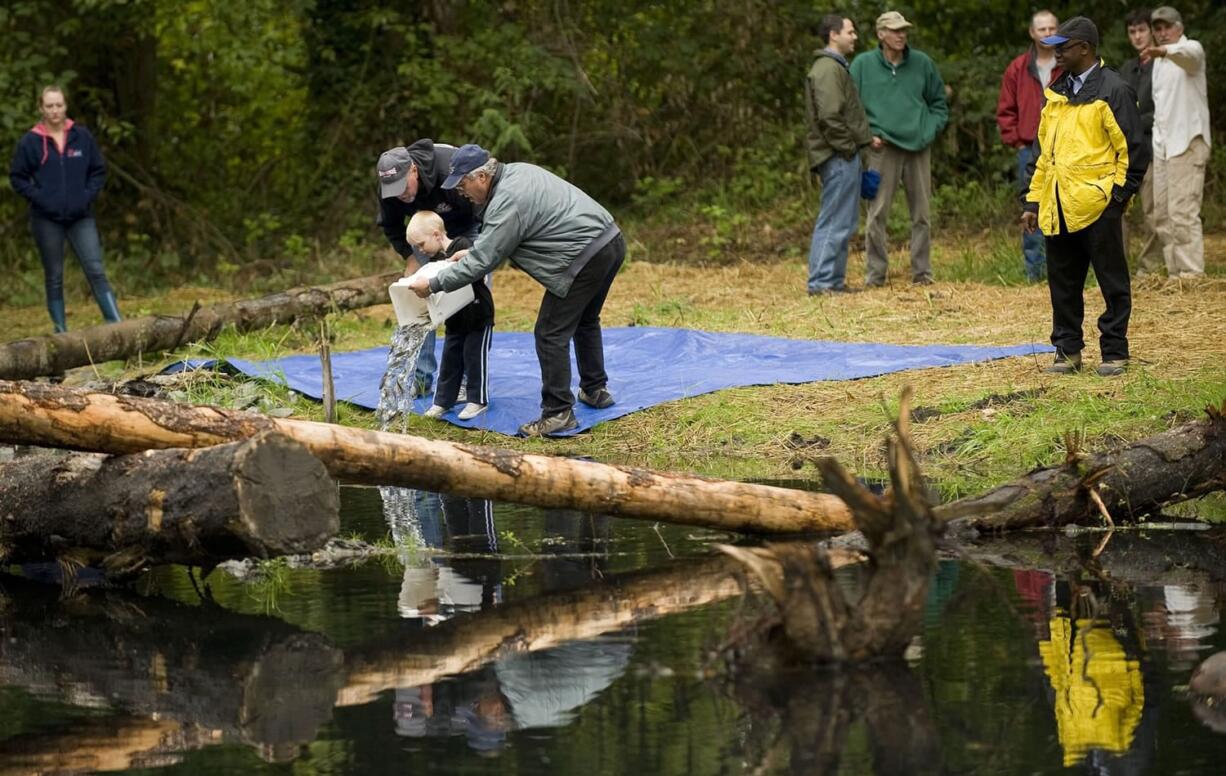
920 414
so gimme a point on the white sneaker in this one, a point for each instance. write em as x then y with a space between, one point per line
435 411
472 410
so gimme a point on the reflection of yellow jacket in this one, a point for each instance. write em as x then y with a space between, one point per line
1092 149
1098 689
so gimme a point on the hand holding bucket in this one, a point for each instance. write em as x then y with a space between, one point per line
433 310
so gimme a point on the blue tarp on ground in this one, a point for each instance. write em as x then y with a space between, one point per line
646 366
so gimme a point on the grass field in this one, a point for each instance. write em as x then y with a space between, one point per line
981 423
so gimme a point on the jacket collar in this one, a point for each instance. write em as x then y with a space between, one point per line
906 55
1063 86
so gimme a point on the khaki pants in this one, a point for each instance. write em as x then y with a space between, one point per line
914 170
1179 186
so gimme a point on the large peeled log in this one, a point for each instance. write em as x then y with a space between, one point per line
260 497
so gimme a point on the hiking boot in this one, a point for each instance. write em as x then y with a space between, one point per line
843 289
1066 364
1112 368
472 410
548 425
435 411
599 398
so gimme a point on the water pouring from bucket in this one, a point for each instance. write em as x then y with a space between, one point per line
415 317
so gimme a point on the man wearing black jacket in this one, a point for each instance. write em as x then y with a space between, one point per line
410 179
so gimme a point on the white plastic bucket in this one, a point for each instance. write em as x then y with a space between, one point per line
411 309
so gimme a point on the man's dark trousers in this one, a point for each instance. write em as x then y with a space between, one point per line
1069 257
576 316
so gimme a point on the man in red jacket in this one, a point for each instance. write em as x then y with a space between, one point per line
1017 115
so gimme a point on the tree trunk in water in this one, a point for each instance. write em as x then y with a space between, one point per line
37 414
55 353
469 641
255 680
817 621
263 496
1176 465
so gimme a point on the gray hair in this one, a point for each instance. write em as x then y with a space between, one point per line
490 166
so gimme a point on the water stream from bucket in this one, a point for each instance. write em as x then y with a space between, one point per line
396 390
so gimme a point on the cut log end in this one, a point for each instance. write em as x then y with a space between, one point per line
282 492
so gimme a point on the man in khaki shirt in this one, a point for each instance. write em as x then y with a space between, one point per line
1181 143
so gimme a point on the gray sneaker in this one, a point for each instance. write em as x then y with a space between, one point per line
599 398
1066 364
1112 368
548 425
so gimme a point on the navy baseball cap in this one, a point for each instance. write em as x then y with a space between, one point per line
467 158
1077 28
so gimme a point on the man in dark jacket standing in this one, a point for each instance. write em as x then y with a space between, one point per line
838 129
1017 116
1092 156
1138 73
410 179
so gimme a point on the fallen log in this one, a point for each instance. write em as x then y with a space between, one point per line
260 497
249 679
54 416
1126 484
469 641
55 353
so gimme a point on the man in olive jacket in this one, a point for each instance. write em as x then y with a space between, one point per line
904 97
838 129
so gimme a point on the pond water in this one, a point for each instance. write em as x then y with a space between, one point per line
395 665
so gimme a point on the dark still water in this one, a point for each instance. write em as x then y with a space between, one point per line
500 639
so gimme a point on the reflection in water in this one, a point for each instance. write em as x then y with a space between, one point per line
1179 619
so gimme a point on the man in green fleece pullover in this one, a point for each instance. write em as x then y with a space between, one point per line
904 97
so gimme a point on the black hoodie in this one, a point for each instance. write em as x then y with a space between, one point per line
433 163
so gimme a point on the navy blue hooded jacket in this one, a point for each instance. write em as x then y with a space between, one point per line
59 186
433 165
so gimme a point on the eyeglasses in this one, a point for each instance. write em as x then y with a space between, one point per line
1068 45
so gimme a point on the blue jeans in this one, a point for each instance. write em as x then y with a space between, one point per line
1034 249
836 222
49 236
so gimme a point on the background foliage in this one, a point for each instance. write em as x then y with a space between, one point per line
242 136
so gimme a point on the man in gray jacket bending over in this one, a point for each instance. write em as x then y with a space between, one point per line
565 241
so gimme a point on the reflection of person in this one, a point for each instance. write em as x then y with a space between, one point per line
1181 143
904 97
59 170
410 179
1017 116
564 240
1092 156
838 129
1098 691
466 347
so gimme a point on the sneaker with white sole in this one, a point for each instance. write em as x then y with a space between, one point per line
472 410
435 411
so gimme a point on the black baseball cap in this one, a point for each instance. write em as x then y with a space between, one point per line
1077 28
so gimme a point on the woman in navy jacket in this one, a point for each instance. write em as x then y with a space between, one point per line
58 168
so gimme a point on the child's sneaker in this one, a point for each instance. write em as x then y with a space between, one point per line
435 411
472 410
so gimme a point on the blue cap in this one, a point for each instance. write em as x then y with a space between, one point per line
467 158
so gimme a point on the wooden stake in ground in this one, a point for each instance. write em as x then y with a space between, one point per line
818 622
325 361
261 497
53 354
54 416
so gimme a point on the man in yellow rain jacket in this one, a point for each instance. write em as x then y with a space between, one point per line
1092 156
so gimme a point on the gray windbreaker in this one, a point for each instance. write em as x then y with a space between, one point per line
540 223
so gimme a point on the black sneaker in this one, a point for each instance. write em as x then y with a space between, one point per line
1065 364
548 425
599 398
